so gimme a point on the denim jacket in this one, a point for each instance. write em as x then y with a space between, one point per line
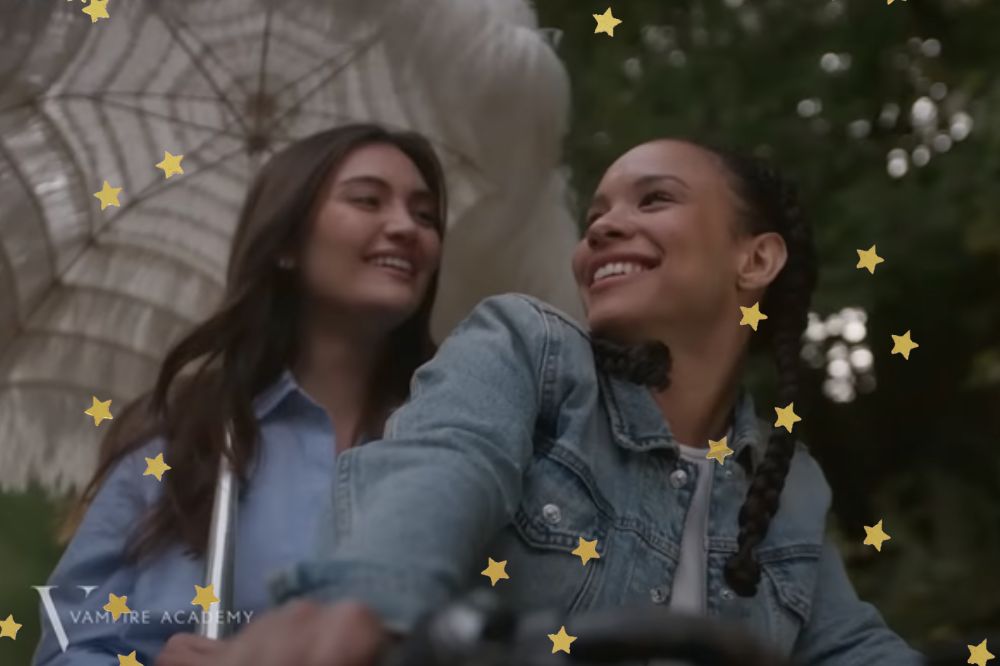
513 446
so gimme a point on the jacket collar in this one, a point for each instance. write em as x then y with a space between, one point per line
638 424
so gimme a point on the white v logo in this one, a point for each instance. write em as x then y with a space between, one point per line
44 591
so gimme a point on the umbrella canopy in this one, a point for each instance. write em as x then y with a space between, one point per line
91 299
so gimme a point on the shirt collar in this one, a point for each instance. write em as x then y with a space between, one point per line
638 423
273 395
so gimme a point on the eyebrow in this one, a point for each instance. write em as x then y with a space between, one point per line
375 180
641 182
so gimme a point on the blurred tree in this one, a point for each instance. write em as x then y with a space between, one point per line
888 117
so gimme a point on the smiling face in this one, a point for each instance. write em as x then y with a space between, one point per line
662 247
375 242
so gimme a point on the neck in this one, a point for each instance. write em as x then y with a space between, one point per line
336 368
704 384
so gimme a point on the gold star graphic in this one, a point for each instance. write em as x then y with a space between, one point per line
902 344
116 606
97 9
752 316
978 654
889 2
108 195
718 451
561 641
786 417
495 571
587 550
156 467
875 536
205 597
606 23
869 259
9 628
128 660
100 410
171 164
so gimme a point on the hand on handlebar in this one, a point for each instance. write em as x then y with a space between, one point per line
304 633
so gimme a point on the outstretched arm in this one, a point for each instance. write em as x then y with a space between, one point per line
415 509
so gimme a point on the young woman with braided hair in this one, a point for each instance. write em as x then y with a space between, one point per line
531 441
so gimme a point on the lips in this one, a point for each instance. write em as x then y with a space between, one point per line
395 263
608 267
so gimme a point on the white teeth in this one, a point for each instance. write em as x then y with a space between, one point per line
618 268
395 262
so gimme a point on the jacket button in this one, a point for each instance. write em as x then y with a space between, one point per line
678 478
658 594
551 513
727 594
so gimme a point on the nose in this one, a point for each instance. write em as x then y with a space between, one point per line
399 223
609 228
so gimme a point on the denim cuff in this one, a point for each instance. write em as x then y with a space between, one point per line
399 598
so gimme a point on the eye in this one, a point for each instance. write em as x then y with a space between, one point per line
365 201
656 197
428 217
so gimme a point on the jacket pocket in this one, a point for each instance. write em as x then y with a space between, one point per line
557 509
791 573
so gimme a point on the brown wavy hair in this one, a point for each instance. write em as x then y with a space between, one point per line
250 340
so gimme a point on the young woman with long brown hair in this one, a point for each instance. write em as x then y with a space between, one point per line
331 281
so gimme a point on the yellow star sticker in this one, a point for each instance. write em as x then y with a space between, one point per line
889 2
9 628
561 640
606 23
171 164
156 467
752 316
97 9
495 571
978 654
786 417
128 660
116 606
108 195
718 451
875 536
100 410
869 259
205 597
902 344
587 550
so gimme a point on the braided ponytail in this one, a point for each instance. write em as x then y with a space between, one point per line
771 204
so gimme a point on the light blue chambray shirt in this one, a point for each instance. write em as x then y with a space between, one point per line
277 525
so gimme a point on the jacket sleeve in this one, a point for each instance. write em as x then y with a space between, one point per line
844 630
91 568
415 509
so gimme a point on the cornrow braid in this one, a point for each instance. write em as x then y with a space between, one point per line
771 203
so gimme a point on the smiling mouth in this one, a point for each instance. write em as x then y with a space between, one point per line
616 272
395 265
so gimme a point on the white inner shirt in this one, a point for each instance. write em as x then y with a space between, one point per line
691 577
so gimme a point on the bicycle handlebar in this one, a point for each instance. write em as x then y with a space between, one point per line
478 630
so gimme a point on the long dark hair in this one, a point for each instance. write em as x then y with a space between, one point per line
769 203
252 337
